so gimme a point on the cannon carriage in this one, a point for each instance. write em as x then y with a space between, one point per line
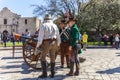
29 56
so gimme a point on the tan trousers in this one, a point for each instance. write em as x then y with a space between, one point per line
49 47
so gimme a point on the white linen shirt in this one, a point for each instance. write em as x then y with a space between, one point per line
48 30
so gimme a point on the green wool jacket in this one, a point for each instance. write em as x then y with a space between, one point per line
74 35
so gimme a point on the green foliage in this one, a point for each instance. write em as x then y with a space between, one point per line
95 14
101 15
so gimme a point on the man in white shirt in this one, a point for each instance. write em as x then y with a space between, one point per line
117 41
27 33
49 40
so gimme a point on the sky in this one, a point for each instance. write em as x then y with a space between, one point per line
21 7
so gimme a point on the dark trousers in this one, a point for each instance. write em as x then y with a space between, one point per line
111 42
116 44
105 43
74 55
4 42
74 60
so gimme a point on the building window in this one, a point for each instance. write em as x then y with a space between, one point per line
5 21
17 22
25 21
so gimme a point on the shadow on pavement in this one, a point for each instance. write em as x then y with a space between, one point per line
16 62
110 71
29 79
56 77
12 57
118 53
27 70
11 66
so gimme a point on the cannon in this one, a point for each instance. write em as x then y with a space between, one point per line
29 56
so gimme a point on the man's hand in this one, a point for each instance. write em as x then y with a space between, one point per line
58 48
70 48
37 50
38 45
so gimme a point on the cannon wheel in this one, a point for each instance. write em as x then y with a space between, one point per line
29 57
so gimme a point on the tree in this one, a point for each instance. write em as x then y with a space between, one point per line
101 15
63 8
92 14
58 7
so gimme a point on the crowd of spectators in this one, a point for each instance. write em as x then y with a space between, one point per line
5 37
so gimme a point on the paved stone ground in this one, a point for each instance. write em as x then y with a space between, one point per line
101 64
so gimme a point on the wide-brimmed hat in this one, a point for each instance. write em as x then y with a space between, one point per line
72 18
64 21
47 17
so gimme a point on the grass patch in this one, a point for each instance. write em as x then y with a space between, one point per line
96 43
9 44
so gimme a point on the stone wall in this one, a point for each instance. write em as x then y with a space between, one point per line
32 24
17 23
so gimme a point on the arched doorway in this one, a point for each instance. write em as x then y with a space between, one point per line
5 31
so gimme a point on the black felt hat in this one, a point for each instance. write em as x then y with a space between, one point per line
72 18
64 21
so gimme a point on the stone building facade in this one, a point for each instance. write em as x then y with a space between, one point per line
13 22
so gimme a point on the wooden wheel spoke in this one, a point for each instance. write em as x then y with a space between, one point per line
28 54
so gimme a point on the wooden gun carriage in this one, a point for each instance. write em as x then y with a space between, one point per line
29 56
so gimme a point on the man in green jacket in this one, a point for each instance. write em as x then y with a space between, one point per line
73 46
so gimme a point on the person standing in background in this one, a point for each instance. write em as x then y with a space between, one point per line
4 37
117 41
1 42
99 38
105 39
27 33
111 38
12 38
85 40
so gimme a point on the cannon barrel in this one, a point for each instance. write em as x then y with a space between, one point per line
34 38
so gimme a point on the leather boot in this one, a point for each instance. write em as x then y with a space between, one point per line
68 61
44 70
52 69
71 69
77 69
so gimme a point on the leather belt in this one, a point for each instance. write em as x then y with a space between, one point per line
49 39
67 41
